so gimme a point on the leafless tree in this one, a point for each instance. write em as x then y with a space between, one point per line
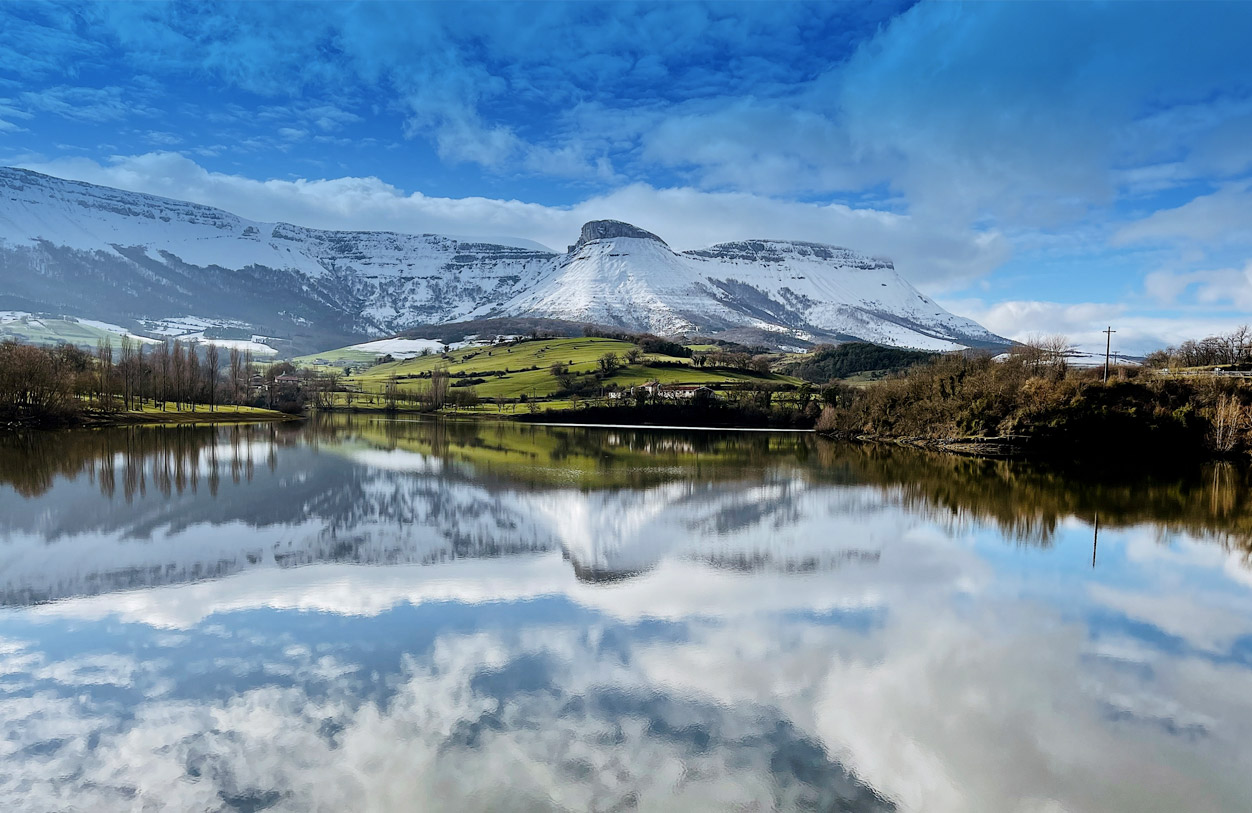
439 382
1230 419
127 371
104 372
161 371
145 374
236 371
178 374
391 393
212 366
194 376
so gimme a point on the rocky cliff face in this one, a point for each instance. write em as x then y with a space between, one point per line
608 229
94 252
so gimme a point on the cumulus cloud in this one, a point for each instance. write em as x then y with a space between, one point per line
687 218
1221 287
1015 111
1138 332
925 132
1220 216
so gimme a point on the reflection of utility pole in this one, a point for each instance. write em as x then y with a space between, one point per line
1095 539
1108 344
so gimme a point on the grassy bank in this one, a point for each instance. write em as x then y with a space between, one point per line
1044 409
201 415
150 415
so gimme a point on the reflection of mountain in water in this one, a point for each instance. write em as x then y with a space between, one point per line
96 512
195 504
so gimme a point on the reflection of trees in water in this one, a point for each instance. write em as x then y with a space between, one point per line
1027 501
587 457
1024 501
170 459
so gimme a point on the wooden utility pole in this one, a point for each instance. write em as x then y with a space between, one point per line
1095 539
1108 345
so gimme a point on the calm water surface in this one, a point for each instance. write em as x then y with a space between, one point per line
361 614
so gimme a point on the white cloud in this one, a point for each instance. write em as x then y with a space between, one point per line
1084 322
1229 287
747 144
933 257
1219 216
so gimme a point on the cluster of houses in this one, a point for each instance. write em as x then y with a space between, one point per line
654 389
355 366
257 383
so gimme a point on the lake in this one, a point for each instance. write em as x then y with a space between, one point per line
364 614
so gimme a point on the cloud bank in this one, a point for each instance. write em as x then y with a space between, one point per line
684 216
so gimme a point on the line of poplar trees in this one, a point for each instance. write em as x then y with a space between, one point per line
44 383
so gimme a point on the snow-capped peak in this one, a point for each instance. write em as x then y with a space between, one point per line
125 258
607 229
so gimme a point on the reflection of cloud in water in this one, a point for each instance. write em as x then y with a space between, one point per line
938 703
786 640
938 706
464 711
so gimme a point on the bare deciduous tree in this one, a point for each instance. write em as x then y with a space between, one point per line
212 366
439 382
235 364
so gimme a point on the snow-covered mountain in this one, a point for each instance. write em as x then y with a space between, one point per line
622 275
128 258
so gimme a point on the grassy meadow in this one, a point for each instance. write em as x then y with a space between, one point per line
509 371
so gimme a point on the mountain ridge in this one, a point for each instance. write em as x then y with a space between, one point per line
104 253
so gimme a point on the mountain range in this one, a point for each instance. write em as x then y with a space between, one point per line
136 260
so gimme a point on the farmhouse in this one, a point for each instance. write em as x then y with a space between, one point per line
668 391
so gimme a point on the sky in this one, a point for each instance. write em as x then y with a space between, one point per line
1039 167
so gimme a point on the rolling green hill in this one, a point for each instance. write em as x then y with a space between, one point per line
510 370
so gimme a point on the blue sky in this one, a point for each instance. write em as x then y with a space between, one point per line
1038 166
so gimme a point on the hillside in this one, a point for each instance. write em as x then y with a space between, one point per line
854 358
140 261
510 371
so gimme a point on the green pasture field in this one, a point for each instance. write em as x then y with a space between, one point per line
512 370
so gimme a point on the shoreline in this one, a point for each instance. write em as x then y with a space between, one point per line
105 420
671 427
1015 447
1034 450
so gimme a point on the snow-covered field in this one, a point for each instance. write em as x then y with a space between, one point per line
115 329
399 348
408 348
242 345
184 325
192 329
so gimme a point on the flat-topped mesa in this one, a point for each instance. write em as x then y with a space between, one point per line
776 251
607 229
